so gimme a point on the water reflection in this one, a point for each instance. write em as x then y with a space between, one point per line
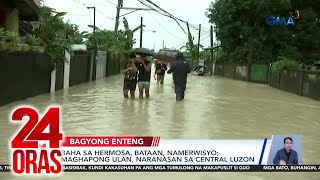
127 116
178 120
135 117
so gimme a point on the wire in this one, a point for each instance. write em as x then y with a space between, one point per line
180 46
105 15
128 13
72 14
82 4
111 2
85 5
165 14
79 2
205 38
164 28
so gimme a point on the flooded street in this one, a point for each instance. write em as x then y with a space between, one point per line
214 108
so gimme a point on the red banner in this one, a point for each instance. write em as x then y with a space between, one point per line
114 141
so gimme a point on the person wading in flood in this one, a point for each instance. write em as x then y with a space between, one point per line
130 77
144 68
160 71
180 69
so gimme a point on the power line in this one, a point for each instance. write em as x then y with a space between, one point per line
111 2
72 14
181 46
168 15
128 13
85 5
105 15
165 13
164 28
82 4
205 37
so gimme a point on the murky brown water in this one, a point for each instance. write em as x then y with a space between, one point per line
214 108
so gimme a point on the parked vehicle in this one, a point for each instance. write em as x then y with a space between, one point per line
201 71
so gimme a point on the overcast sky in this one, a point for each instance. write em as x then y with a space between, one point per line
167 30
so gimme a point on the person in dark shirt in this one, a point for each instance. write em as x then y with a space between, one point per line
130 77
144 68
286 156
180 69
160 71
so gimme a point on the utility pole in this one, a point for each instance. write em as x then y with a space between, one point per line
120 4
95 51
163 44
94 26
217 44
141 30
211 40
199 42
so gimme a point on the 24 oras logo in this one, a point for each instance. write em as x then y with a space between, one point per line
278 21
30 152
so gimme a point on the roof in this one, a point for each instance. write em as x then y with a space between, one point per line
168 50
28 10
209 48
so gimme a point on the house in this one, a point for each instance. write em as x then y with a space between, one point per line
15 13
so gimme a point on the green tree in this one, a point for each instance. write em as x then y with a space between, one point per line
75 36
246 38
191 48
52 31
105 39
307 33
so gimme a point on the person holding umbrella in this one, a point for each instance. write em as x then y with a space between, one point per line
180 69
130 77
144 68
160 71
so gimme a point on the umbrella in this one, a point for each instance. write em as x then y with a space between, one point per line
166 56
144 51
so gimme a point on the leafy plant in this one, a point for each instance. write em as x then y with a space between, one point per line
284 63
105 39
74 34
246 37
53 31
32 40
2 34
12 37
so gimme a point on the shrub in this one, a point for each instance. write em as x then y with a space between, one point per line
32 40
284 63
2 34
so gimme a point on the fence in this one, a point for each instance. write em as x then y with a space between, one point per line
23 75
101 70
255 73
27 74
80 66
304 83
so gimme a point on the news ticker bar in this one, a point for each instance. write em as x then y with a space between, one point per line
182 168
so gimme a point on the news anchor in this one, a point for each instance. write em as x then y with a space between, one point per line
286 156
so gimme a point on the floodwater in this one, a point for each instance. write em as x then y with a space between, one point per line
214 108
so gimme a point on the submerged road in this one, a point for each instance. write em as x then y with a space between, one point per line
214 108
